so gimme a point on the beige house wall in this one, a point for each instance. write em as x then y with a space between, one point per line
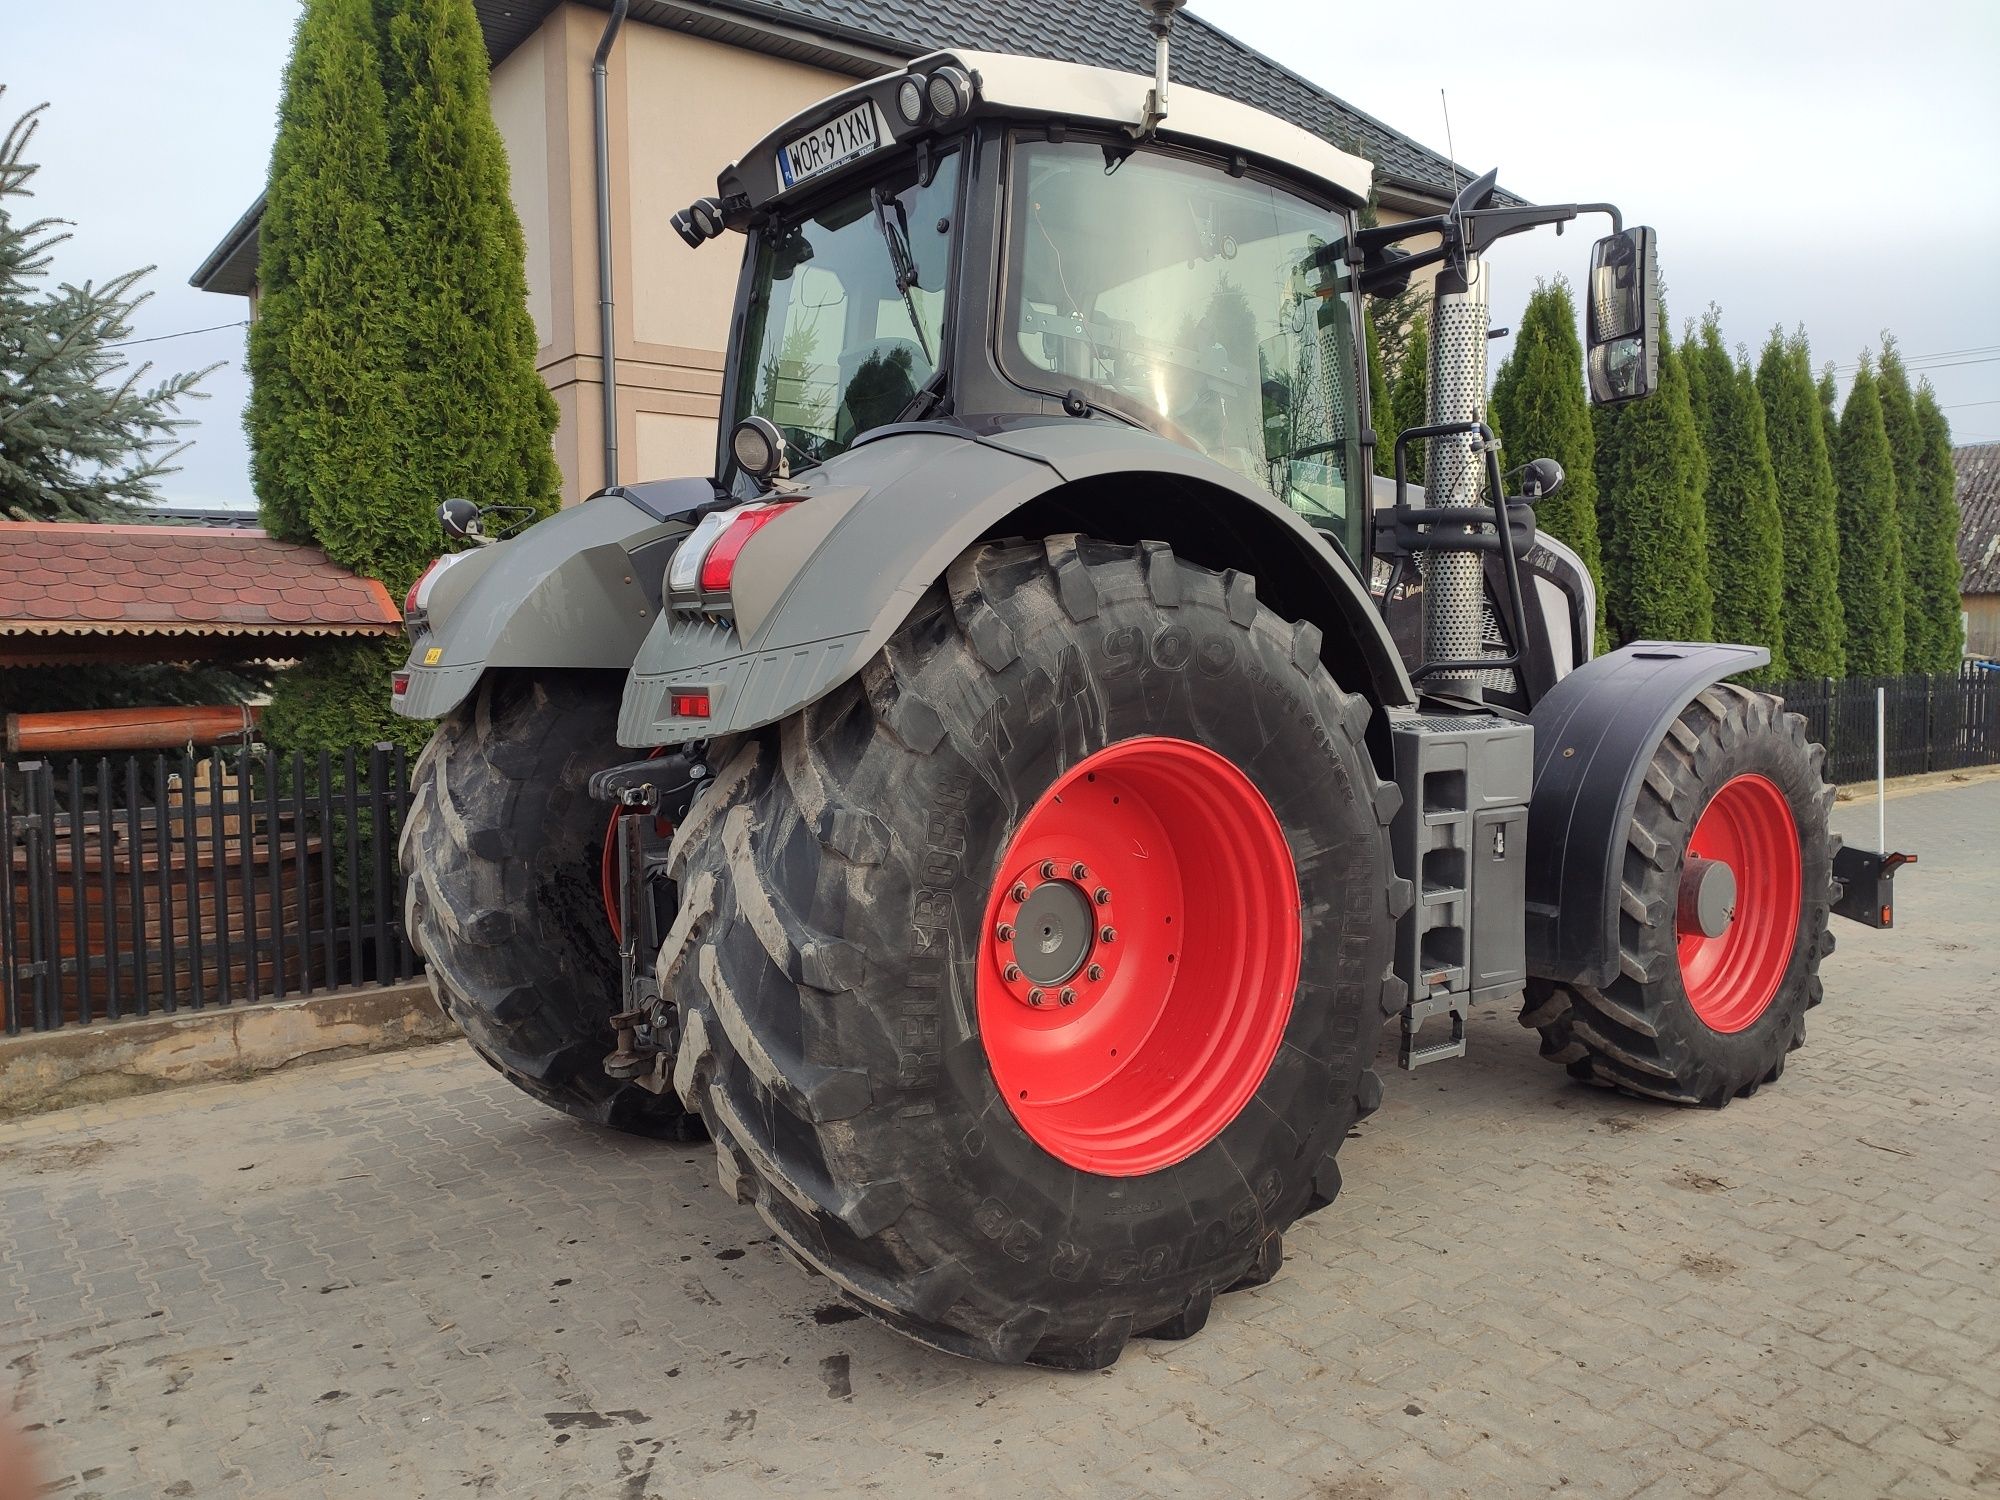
680 109
1982 623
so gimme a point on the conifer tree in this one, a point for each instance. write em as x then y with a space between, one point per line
1906 446
82 437
1829 406
1409 398
1746 545
1540 403
1814 624
1380 411
486 417
1870 542
1650 477
328 429
1936 489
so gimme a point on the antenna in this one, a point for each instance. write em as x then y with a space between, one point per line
1451 151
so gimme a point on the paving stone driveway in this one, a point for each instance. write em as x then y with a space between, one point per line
397 1277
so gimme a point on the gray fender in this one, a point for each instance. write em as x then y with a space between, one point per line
818 591
579 589
1595 734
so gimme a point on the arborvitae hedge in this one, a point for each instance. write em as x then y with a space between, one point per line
1380 411
1540 403
1936 488
1650 475
1746 541
1906 449
1409 398
1814 625
1870 544
328 429
469 344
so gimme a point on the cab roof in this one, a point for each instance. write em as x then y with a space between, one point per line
1035 88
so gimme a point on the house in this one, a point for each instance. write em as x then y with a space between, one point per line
691 83
1979 546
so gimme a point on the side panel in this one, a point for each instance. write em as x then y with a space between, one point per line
812 611
1595 734
579 589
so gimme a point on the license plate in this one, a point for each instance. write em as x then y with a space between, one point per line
835 143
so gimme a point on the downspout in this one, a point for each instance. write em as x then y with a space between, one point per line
607 332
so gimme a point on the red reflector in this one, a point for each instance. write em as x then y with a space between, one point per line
399 683
720 565
690 705
410 599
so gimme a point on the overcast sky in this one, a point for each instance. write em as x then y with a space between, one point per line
1827 163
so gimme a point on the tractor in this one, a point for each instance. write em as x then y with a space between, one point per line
1002 805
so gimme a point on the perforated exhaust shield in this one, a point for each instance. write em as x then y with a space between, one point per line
1454 587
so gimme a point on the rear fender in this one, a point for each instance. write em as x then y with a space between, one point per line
1595 734
579 589
819 590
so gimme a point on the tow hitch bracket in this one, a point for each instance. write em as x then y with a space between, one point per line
1866 885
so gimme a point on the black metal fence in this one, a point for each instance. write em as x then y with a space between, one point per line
1936 723
151 884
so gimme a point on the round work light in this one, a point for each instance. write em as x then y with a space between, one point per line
950 92
910 98
757 446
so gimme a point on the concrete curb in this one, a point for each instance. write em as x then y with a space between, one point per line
1902 786
87 1064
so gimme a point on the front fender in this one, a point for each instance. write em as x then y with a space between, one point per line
579 589
1595 735
820 590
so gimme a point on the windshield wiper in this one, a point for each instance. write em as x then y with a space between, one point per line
901 262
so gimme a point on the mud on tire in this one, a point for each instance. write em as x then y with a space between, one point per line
833 884
1641 1033
502 848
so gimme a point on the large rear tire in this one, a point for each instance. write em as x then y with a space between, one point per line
503 849
889 911
1732 814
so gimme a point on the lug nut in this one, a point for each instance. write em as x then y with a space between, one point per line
1034 997
1107 934
1048 869
1004 932
1020 892
1078 872
1068 996
1103 894
1013 972
1096 972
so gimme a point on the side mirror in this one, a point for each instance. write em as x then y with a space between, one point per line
1624 317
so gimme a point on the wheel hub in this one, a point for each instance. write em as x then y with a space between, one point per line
1707 897
1049 943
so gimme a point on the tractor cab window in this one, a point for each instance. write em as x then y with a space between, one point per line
1213 308
846 310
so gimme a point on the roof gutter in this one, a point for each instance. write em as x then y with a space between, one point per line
607 331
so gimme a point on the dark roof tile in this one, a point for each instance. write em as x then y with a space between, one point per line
1978 469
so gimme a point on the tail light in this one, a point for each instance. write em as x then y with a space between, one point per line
704 565
416 602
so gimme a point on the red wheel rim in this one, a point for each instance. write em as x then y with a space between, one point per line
1139 957
1732 978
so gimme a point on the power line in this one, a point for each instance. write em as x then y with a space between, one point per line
1916 361
1961 405
185 333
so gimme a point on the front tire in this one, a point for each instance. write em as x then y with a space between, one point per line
502 851
844 985
1732 811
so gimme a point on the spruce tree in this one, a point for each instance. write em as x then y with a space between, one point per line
1539 402
1870 543
1746 544
1650 477
1936 489
1409 398
1906 446
329 431
82 437
485 418
1814 624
